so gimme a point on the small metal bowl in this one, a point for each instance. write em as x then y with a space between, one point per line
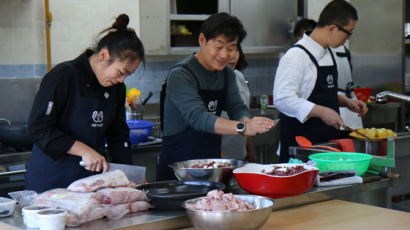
183 170
226 220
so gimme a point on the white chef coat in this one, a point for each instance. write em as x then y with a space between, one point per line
296 77
344 73
234 146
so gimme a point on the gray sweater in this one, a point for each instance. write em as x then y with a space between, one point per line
183 106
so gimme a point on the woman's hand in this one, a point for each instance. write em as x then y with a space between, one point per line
93 160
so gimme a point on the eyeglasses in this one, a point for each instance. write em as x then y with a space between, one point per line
349 33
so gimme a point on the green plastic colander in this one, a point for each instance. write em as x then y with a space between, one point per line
342 161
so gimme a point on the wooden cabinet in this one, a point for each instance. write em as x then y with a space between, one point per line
172 26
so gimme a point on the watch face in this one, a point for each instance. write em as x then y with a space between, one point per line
240 126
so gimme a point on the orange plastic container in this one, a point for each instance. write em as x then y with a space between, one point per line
363 94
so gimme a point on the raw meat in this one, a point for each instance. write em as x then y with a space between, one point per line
218 201
82 207
285 171
119 210
212 165
121 195
111 179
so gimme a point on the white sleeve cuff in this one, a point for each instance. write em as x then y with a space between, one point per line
304 110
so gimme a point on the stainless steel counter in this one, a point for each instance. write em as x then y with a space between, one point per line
374 193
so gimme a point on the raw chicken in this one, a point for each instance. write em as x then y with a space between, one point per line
86 206
119 210
82 207
111 179
121 195
218 201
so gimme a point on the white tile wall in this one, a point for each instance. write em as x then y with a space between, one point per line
5 12
75 25
6 53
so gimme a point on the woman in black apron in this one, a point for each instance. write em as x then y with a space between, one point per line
325 94
79 109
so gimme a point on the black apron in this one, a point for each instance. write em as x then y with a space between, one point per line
88 122
191 144
325 94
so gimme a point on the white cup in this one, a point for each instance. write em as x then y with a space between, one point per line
30 215
51 219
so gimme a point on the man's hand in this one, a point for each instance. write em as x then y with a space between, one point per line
258 125
357 106
327 115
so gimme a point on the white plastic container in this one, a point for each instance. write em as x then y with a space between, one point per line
30 215
51 219
7 206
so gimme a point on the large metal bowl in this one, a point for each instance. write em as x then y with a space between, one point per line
226 220
183 170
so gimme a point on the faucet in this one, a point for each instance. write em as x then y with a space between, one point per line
382 96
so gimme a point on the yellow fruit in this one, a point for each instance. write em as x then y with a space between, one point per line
370 133
133 95
133 92
381 133
361 130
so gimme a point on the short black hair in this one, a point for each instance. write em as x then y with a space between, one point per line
223 24
302 25
337 12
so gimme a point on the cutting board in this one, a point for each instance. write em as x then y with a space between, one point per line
4 226
336 215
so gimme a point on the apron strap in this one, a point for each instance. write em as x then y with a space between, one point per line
308 53
164 89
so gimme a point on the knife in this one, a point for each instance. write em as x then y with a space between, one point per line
134 173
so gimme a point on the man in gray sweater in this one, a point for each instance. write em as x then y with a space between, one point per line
196 90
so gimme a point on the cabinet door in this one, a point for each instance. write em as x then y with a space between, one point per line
153 26
267 23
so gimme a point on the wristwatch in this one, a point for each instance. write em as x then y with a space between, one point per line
241 127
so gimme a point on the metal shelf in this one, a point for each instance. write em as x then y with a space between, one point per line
188 17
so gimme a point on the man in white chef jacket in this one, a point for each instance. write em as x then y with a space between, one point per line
305 87
345 81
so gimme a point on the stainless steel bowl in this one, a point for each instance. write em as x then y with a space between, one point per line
183 170
226 220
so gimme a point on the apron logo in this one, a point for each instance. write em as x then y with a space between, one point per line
106 95
98 117
212 106
330 80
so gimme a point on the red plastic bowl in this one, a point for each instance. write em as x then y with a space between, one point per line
363 94
252 180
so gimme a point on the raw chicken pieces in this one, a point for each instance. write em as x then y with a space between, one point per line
219 201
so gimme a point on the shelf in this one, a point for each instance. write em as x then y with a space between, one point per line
188 17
